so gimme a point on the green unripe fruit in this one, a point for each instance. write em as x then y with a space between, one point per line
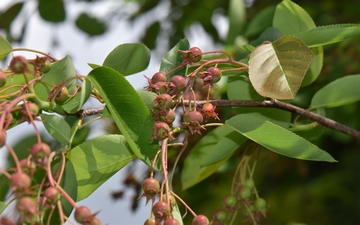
249 183
62 95
245 193
3 78
260 204
46 66
220 215
231 201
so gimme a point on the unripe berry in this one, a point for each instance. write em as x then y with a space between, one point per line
2 78
82 214
245 193
171 199
220 215
230 202
26 207
33 109
150 221
161 131
193 116
51 196
18 64
159 77
196 54
171 221
179 82
249 183
260 204
151 186
46 66
163 100
93 221
161 210
62 95
19 182
39 152
214 73
200 220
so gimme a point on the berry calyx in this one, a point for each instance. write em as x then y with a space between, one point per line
208 111
194 54
19 182
163 101
161 210
51 196
39 152
200 220
18 64
179 83
83 214
2 78
161 131
27 208
159 77
193 121
150 221
171 221
151 187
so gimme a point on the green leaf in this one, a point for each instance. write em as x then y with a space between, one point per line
77 102
52 11
291 19
57 127
277 69
96 160
148 98
330 34
7 17
128 58
239 88
4 186
60 71
174 58
90 25
13 84
237 20
193 171
340 92
276 138
129 112
224 148
260 21
315 67
5 47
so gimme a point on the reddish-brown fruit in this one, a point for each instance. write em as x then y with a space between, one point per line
193 116
39 152
163 100
196 54
27 166
171 221
214 73
179 82
2 78
83 214
161 210
93 221
51 196
19 182
159 77
2 138
169 117
151 186
208 111
6 221
33 110
27 208
62 95
150 221
200 220
161 131
18 64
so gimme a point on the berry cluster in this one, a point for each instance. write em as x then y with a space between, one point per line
36 201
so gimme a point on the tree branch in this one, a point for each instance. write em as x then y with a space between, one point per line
273 103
